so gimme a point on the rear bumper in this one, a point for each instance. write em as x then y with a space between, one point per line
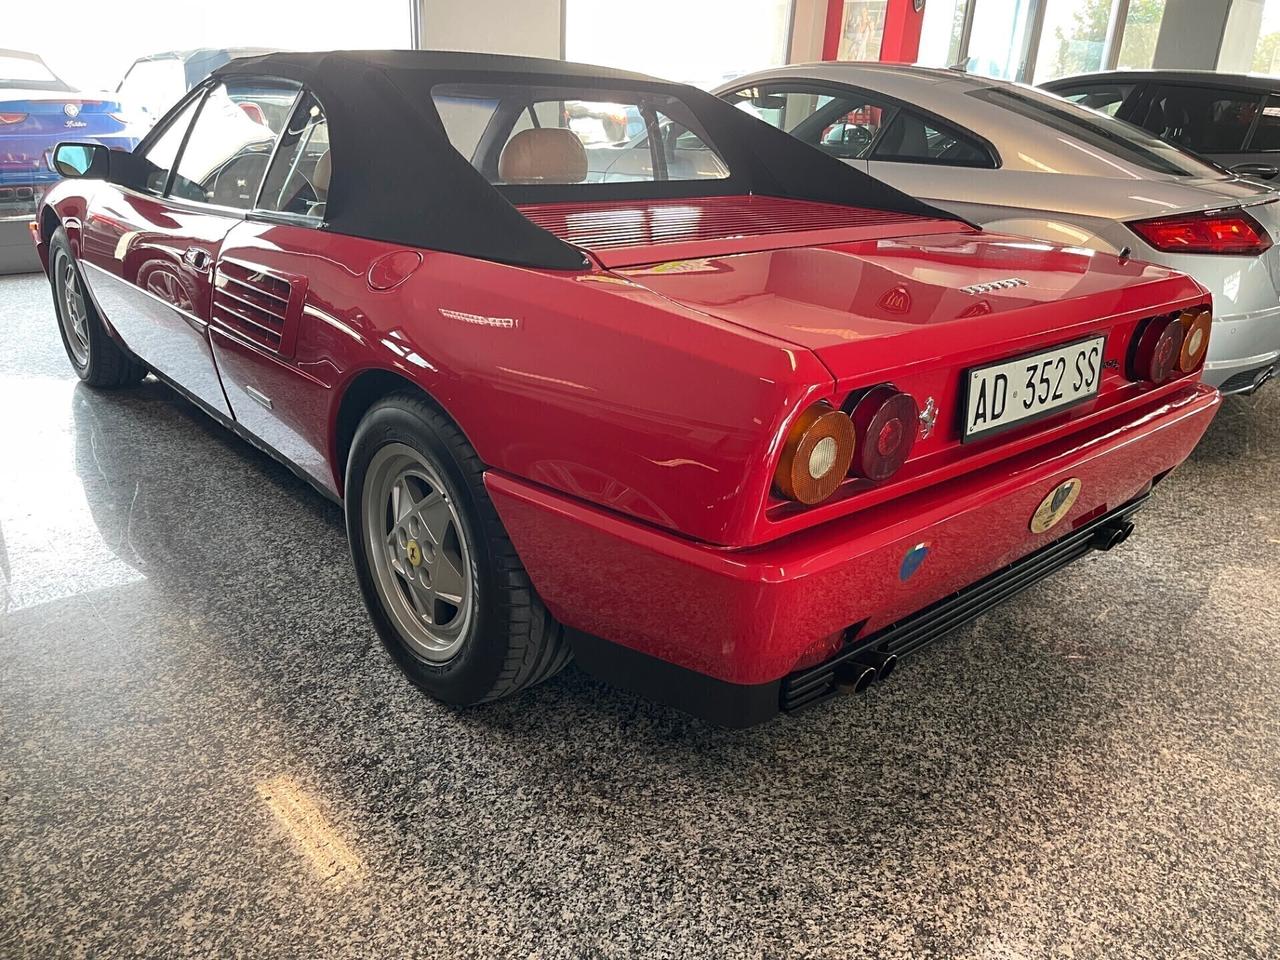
1242 347
748 618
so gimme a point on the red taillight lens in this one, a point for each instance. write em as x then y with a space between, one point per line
886 421
1156 351
10 118
1217 231
1196 325
815 455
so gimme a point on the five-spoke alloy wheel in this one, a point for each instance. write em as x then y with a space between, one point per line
442 582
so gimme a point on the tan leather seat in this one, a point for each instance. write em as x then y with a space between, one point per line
320 176
544 155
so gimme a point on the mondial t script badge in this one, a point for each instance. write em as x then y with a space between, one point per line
1055 506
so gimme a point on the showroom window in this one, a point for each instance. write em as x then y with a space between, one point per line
703 43
1040 40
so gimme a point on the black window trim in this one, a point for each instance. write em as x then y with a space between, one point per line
843 90
205 88
163 126
256 211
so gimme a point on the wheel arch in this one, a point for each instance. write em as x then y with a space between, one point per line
360 393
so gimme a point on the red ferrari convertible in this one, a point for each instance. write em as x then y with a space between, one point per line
729 421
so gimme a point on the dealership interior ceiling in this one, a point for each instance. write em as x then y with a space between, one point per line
503 548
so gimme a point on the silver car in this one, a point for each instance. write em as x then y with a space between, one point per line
1021 161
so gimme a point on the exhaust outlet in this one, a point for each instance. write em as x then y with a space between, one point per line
882 663
855 677
1112 536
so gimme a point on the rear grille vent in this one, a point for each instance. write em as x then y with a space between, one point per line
252 303
612 225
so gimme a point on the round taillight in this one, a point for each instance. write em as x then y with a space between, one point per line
815 455
1195 338
1155 355
886 421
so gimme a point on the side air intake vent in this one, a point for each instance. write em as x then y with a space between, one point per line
255 304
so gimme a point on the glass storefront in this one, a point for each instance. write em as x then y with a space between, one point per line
1073 39
703 43
1039 40
1141 29
71 84
998 41
942 32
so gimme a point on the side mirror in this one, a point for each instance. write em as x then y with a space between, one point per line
1262 171
91 160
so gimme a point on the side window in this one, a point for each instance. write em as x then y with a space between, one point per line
1200 119
298 181
164 150
230 145
1105 99
843 126
1266 136
910 138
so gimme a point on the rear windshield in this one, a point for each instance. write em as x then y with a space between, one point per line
529 135
1107 134
19 71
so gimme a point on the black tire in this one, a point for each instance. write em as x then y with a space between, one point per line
511 641
97 359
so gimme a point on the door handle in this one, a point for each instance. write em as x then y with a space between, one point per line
198 259
1265 171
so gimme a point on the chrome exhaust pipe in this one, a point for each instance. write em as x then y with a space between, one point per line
855 677
881 664
1113 535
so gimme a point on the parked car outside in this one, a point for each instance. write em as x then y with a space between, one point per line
1022 161
735 437
1230 118
38 109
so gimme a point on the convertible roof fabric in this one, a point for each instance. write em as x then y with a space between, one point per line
397 177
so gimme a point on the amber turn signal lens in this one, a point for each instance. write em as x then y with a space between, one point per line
816 455
886 421
1195 337
1155 355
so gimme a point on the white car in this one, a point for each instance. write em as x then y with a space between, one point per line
1022 161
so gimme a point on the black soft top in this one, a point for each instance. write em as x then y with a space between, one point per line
397 177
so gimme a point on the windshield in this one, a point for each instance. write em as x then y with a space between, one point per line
18 71
554 135
153 86
1114 138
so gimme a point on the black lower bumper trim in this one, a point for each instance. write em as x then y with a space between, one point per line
743 705
807 687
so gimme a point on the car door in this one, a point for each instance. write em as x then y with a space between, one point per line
150 252
840 121
263 300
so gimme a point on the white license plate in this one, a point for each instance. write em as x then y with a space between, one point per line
1015 391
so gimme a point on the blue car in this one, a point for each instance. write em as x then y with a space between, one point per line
37 110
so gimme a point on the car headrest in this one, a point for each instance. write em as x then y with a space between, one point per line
321 175
543 155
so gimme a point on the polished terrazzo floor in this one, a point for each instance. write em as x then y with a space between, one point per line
204 751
